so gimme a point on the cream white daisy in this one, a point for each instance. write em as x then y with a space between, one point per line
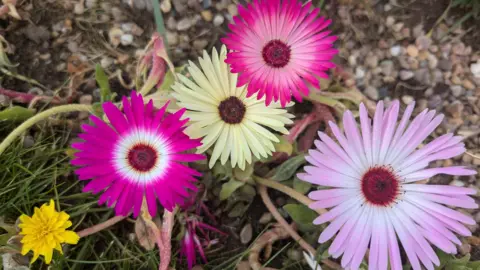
221 114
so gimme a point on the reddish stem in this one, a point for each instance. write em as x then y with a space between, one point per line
166 236
96 228
300 126
27 98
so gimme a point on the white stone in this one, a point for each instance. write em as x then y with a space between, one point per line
126 39
395 50
475 68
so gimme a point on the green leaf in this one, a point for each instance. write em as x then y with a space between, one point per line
288 168
238 210
444 258
283 145
301 186
474 265
102 81
462 261
244 175
16 113
302 215
170 78
229 187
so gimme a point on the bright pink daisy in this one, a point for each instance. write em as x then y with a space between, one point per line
277 45
138 155
374 195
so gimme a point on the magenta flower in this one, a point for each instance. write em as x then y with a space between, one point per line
374 197
139 155
193 241
277 45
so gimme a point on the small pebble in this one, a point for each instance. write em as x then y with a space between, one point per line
72 46
423 76
413 63
200 44
371 92
184 24
475 69
172 38
397 27
458 48
456 80
207 15
359 73
405 32
232 10
445 64
218 20
265 218
166 6
473 118
457 183
132 28
86 99
405 75
423 42
126 39
350 82
79 9
61 67
352 60
246 234
117 14
418 31
466 159
412 51
390 21
106 62
457 90
115 35
468 84
171 23
371 61
180 6
90 3
421 105
432 61
407 99
395 50
455 109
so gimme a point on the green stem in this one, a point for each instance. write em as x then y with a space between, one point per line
35 119
287 190
159 21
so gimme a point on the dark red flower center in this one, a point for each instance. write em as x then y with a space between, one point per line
380 186
232 110
276 53
142 157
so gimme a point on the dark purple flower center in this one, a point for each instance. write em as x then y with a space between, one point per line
276 53
380 186
142 157
232 110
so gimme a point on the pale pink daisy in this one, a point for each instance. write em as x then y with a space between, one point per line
139 155
375 197
277 46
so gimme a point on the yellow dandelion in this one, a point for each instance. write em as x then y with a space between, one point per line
45 231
